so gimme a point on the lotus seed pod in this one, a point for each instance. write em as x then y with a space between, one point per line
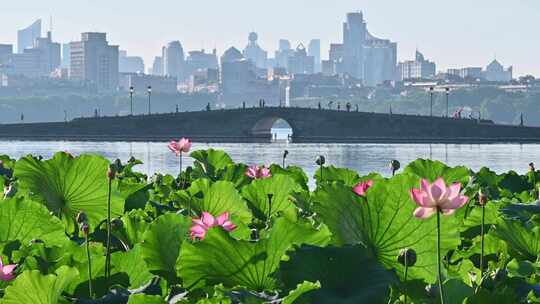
410 254
111 172
395 165
285 153
85 229
320 160
482 198
81 217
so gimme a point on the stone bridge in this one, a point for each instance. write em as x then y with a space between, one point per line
254 125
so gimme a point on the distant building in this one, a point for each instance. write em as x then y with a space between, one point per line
364 56
66 56
300 62
130 64
50 54
467 73
174 61
157 66
6 50
496 72
204 80
420 68
254 52
283 53
200 60
40 60
95 62
27 36
314 50
328 68
159 84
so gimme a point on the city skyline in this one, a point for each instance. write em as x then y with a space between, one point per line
450 43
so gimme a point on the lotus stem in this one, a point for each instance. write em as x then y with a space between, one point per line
439 271
283 162
90 293
108 252
406 269
270 196
181 180
482 243
322 173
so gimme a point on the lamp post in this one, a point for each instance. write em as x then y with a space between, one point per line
431 101
131 91
149 96
447 93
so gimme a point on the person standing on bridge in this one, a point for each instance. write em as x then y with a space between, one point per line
339 106
348 106
319 105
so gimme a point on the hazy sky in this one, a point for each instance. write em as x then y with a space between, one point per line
452 33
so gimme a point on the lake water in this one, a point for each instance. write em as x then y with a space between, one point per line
363 158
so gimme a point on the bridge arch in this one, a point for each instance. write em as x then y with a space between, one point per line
274 127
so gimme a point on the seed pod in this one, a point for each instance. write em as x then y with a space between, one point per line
394 165
482 198
85 229
411 257
111 172
320 160
81 217
285 153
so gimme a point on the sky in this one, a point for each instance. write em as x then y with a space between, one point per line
455 33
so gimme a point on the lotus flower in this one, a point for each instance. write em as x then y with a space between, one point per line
361 188
183 145
7 271
431 198
258 172
200 226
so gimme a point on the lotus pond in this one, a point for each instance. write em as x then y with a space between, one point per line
84 230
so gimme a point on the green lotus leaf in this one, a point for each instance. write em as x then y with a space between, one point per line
347 274
68 185
456 291
217 198
383 221
162 241
133 228
281 187
433 169
523 241
332 174
132 263
300 290
24 220
31 287
209 163
294 172
219 258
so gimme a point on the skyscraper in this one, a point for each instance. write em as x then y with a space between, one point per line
26 37
282 55
254 52
300 62
157 66
314 50
66 56
94 61
130 64
50 54
420 68
364 56
174 61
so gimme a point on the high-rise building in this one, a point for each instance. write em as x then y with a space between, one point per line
420 68
94 61
27 36
50 54
6 50
130 64
157 66
283 53
174 61
236 72
66 56
314 50
254 52
364 56
200 60
300 62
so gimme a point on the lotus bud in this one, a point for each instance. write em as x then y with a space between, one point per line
85 229
111 172
407 255
117 224
320 160
81 217
285 153
531 167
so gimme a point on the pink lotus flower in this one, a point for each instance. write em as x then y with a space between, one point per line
7 271
361 188
200 226
431 198
183 145
258 172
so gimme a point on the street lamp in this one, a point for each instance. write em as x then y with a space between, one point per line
431 101
131 91
149 95
447 93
